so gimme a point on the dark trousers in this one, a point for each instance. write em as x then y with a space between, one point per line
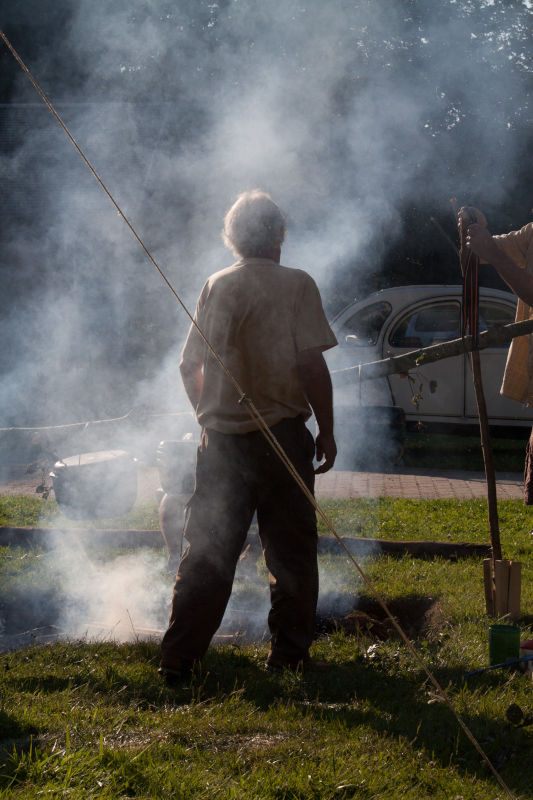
236 475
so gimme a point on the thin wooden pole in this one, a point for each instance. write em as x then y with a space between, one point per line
486 445
501 334
488 459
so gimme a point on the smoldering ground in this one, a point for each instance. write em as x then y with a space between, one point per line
84 594
80 587
100 583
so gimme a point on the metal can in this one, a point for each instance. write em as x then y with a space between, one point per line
504 643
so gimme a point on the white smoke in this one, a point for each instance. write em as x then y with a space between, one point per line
122 597
345 112
333 108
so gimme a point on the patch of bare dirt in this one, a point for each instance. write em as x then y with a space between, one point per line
418 616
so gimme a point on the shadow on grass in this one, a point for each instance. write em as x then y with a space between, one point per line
395 702
14 735
11 728
404 707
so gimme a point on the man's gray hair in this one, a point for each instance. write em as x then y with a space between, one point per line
254 225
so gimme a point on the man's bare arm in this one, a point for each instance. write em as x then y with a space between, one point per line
316 380
193 380
480 241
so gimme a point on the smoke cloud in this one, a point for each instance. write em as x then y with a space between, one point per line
122 597
346 112
80 588
341 111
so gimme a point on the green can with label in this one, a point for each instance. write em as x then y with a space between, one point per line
504 643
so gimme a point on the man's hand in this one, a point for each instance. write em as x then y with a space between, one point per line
326 449
316 382
480 241
469 215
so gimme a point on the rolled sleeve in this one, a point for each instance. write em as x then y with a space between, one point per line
516 244
311 326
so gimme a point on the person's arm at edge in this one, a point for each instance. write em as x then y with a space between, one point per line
480 241
316 381
193 380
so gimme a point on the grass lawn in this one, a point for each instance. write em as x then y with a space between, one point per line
85 719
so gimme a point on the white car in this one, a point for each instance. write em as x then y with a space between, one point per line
398 320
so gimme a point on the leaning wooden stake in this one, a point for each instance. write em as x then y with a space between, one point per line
501 577
394 365
503 585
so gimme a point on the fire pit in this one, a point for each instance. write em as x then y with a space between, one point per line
96 485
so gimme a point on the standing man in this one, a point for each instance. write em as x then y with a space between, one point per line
511 255
267 324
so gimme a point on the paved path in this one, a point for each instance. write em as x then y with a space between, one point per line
417 484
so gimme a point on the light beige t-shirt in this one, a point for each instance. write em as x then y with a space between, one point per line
518 376
257 315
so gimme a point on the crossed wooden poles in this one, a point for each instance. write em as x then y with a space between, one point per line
502 578
500 334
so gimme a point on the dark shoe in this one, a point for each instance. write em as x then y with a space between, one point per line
176 677
304 665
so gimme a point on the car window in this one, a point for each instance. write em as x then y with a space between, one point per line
366 323
491 314
430 324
